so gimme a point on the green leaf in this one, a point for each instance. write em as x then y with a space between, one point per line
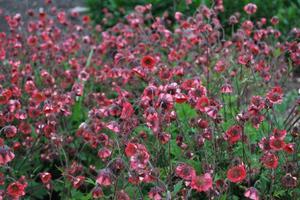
177 188
185 111
175 149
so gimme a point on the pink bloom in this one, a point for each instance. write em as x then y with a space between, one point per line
252 193
202 183
104 177
250 8
185 171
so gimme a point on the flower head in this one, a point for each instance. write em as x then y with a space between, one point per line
16 189
237 173
202 183
185 171
250 8
148 62
252 193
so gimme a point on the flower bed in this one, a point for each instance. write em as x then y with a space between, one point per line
142 112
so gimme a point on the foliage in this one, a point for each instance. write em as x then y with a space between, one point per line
288 12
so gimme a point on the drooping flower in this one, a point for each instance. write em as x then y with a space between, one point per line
226 88
77 181
122 195
104 153
97 192
237 173
6 155
104 177
289 181
165 101
202 183
45 177
250 8
10 131
155 193
289 148
252 193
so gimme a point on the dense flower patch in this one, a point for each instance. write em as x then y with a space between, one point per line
139 111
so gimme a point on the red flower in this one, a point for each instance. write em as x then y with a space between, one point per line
140 159
148 62
86 19
10 131
236 174
202 183
32 40
77 181
269 160
180 98
138 154
97 192
38 97
274 20
257 103
164 138
289 148
202 103
275 95
104 153
127 111
5 95
264 144
16 189
185 172
45 177
130 149
280 134
234 134
150 91
276 143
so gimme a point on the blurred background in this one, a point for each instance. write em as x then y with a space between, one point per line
109 12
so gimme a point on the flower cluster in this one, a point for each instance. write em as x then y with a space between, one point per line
144 109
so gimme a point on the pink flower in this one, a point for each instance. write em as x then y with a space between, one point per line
104 177
202 183
252 193
185 171
250 8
